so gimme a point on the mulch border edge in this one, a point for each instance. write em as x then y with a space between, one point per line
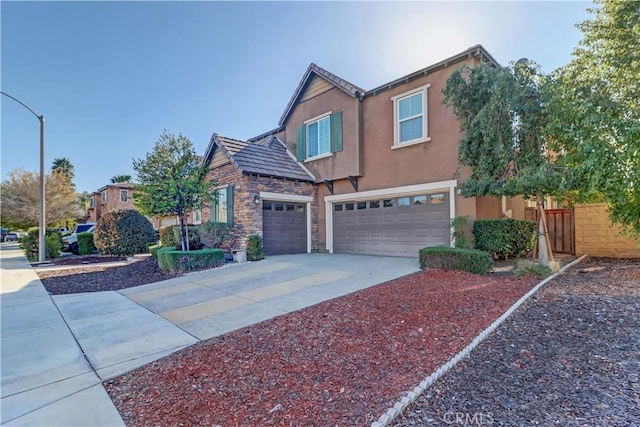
411 396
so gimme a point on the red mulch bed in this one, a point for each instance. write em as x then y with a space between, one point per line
341 362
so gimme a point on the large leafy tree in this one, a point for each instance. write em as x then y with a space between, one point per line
171 180
63 167
20 195
503 117
121 178
596 104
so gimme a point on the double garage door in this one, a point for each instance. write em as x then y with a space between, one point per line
397 226
284 227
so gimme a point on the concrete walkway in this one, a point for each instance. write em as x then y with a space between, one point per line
45 378
101 335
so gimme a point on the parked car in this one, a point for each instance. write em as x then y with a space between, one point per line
11 236
70 242
3 233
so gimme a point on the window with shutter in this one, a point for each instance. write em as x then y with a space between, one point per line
319 137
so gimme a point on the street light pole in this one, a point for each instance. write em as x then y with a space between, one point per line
42 223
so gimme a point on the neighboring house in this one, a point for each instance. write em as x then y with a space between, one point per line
110 198
350 170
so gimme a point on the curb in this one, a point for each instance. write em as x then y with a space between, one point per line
413 395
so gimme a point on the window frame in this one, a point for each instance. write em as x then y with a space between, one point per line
105 197
126 196
221 199
425 117
92 202
307 124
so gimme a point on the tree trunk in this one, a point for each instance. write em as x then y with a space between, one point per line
543 250
182 239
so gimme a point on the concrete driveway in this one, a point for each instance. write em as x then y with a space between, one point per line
55 350
120 331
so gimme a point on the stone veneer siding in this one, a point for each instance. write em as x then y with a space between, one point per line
247 215
596 236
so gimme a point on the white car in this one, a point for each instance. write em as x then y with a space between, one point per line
70 242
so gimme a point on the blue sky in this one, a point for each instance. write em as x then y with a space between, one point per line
111 76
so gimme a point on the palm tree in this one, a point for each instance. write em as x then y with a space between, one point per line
63 167
121 178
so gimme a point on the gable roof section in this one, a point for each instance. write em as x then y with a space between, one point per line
314 70
267 157
476 51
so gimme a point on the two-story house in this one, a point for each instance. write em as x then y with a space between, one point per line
110 198
349 170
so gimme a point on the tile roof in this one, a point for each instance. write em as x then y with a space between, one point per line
266 157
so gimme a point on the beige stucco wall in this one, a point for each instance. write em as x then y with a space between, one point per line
596 236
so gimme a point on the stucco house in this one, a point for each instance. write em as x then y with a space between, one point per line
349 170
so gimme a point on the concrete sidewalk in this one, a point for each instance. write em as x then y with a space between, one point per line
45 378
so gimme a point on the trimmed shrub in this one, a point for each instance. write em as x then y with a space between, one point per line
254 248
153 249
528 268
167 238
85 244
193 234
123 232
504 237
30 244
446 258
212 233
173 260
150 244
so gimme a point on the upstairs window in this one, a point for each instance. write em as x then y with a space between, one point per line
124 196
92 202
105 197
319 137
410 117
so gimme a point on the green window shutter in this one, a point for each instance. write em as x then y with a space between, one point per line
214 207
230 205
301 143
336 132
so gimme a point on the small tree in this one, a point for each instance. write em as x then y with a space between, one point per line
503 120
596 111
20 195
171 180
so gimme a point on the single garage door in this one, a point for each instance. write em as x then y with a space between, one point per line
397 226
284 228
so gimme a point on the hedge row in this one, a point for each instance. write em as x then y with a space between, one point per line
504 237
85 244
446 258
170 259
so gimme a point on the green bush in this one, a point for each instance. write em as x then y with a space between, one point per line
173 260
153 249
446 258
504 237
30 244
167 238
193 234
123 232
150 244
528 268
459 232
213 233
254 248
85 244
